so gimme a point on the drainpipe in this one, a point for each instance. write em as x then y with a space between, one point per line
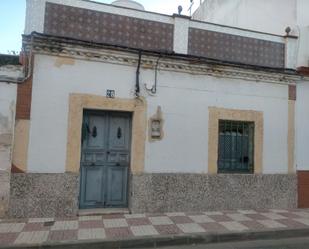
137 84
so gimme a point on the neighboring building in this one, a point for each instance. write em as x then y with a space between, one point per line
270 16
132 109
273 16
10 72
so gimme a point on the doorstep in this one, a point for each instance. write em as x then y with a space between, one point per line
102 211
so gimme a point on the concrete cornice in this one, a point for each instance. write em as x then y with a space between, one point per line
168 62
11 73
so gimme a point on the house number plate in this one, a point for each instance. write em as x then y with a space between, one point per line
110 93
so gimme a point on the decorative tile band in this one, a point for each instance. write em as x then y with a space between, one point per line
235 48
102 27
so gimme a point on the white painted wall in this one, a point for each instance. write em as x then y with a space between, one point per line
302 13
271 16
302 124
184 99
7 119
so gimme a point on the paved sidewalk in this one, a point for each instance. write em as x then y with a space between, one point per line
129 226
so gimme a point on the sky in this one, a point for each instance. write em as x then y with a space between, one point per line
12 18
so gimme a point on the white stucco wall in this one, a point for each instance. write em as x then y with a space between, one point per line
271 16
302 124
302 12
184 100
7 118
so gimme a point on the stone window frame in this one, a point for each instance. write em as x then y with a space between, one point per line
216 114
79 102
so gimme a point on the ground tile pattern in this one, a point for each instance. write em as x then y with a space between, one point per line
114 227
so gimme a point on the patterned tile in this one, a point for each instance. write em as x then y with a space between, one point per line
91 233
89 218
213 227
113 216
273 216
134 216
11 227
279 211
253 225
67 235
35 227
112 223
293 224
175 214
8 238
103 27
160 220
238 217
91 224
213 213
302 214
235 48
304 221
140 225
221 218
65 225
256 216
36 237
271 224
147 230
194 213
118 232
247 212
234 226
154 215
168 229
191 228
201 218
138 221
40 220
290 215
181 219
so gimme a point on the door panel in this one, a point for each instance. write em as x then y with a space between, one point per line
96 126
119 135
105 159
117 178
93 188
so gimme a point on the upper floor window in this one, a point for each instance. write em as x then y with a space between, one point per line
236 147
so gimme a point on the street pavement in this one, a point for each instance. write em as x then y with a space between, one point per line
48 231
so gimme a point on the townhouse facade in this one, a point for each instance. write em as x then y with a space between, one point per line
129 109
275 16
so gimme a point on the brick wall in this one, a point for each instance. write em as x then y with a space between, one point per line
23 103
292 92
303 189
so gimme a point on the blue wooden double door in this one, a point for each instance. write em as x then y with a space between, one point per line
105 159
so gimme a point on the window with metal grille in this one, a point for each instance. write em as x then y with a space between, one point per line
236 147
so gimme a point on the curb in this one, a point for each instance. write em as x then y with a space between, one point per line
175 240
